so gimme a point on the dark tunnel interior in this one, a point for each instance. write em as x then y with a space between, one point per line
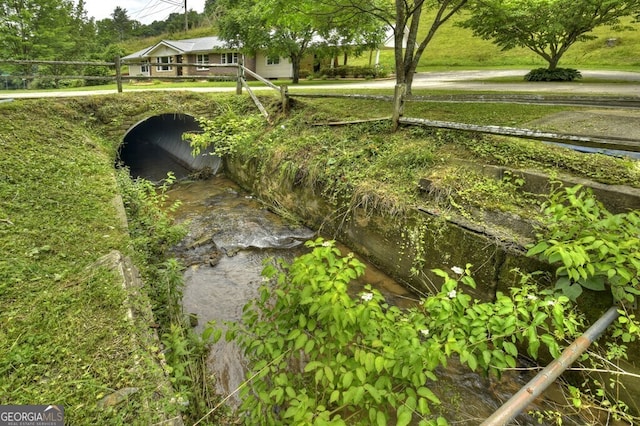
152 147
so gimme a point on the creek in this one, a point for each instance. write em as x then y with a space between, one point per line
230 236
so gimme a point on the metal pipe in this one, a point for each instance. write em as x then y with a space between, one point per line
550 373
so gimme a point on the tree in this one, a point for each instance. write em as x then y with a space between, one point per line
44 30
283 28
404 17
34 29
251 25
546 27
122 25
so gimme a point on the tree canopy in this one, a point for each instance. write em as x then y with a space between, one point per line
404 17
546 27
32 29
284 28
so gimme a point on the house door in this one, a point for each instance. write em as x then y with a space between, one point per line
179 61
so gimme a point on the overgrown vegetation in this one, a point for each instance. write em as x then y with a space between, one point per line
595 249
57 218
367 165
318 356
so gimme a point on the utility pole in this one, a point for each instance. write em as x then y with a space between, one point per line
186 21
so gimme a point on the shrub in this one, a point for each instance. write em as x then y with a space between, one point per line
97 71
304 73
592 247
352 71
558 74
318 356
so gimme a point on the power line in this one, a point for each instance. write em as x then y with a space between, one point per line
173 2
153 9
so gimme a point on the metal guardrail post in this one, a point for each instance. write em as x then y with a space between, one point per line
550 373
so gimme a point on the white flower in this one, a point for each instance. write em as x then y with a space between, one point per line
282 127
551 302
452 294
457 270
326 244
425 332
366 296
532 297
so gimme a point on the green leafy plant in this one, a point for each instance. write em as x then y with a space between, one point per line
224 133
152 229
592 247
319 356
557 74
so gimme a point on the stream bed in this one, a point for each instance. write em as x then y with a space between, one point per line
231 234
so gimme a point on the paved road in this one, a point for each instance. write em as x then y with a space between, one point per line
468 80
448 80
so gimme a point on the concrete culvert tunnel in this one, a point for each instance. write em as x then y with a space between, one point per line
154 146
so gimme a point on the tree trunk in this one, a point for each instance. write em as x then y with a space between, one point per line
408 79
295 65
398 35
553 62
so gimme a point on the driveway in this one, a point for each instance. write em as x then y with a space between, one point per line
444 80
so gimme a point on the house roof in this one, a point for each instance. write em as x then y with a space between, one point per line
213 43
192 45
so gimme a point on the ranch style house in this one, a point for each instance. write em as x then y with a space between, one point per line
162 60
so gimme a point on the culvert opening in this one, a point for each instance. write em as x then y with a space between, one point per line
154 146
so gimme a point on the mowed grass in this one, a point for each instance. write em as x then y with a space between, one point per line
64 333
454 47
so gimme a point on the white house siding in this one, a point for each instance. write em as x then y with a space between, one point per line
136 70
281 70
162 51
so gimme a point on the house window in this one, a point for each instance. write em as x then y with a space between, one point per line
144 67
163 62
202 59
273 60
229 58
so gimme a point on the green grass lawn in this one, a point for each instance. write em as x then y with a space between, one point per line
454 47
65 337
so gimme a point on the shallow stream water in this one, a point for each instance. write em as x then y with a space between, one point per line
230 236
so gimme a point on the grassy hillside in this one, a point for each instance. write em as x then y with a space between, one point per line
456 47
